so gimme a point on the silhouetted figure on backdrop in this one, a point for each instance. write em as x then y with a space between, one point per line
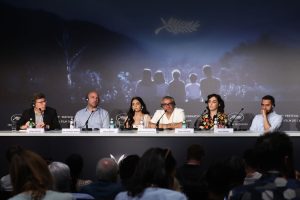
176 87
161 84
209 84
192 89
145 88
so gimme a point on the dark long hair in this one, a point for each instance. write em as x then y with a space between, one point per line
221 103
131 112
29 172
155 168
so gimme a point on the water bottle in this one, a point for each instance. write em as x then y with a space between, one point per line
141 124
31 123
111 123
215 123
71 123
184 124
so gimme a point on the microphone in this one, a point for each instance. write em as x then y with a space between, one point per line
230 124
87 121
157 123
196 122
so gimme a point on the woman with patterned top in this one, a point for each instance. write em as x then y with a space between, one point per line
215 113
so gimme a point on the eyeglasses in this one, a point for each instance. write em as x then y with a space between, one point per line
167 104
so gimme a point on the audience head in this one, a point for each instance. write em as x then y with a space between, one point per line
61 176
250 159
75 163
127 167
29 172
215 102
195 152
155 168
268 103
39 101
224 175
11 151
107 170
275 152
159 77
92 99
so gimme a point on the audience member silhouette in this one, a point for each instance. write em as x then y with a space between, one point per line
106 186
274 154
6 185
31 178
62 180
75 163
224 175
191 174
252 174
153 177
127 168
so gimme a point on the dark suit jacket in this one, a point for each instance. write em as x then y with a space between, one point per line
50 118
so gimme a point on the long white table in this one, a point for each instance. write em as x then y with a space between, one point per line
95 145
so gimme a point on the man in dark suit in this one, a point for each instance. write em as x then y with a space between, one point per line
41 115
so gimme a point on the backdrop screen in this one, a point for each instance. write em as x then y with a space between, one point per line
186 49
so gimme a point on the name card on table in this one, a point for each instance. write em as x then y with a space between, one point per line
146 130
109 130
223 130
70 130
184 130
35 130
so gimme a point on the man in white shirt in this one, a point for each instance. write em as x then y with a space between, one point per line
268 120
169 116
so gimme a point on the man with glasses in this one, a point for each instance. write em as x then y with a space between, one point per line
169 116
41 115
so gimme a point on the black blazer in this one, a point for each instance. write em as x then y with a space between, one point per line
50 118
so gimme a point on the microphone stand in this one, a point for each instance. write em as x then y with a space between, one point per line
196 127
157 123
86 123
